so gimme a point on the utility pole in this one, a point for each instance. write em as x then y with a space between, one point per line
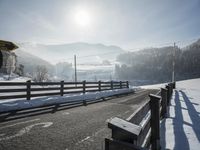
75 71
173 63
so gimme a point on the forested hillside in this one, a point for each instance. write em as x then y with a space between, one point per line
155 64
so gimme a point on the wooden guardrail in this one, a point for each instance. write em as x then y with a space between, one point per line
15 90
142 129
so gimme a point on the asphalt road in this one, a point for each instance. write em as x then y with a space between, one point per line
66 127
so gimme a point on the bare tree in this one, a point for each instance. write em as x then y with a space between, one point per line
41 74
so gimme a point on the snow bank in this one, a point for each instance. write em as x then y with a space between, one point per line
13 78
8 105
181 130
154 86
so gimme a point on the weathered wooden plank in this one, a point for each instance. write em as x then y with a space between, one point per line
12 90
105 86
111 144
45 94
147 141
89 82
124 130
12 83
12 97
140 113
105 82
45 89
45 83
73 87
145 124
70 83
91 86
92 90
72 92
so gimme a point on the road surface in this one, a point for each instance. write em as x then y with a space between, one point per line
66 128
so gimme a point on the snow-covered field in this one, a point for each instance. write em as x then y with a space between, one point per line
181 129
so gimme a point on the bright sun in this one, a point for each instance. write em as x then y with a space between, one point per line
82 18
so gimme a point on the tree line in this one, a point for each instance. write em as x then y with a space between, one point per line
154 65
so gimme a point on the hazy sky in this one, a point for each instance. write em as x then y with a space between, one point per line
126 23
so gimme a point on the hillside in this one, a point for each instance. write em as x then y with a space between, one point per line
57 53
154 65
30 61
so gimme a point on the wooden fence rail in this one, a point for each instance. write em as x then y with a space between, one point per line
142 129
15 90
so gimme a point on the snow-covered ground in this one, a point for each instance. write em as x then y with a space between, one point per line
181 129
154 86
13 78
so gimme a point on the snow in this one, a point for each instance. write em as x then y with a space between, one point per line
13 78
8 105
154 86
181 129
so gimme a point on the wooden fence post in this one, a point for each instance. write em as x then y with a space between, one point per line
61 88
84 87
120 84
99 85
170 89
84 82
155 121
174 85
127 84
164 102
28 89
111 85
168 94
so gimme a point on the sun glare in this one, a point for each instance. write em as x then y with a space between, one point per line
82 18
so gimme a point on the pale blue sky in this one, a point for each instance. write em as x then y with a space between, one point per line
126 23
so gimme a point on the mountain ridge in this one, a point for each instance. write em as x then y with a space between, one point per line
57 53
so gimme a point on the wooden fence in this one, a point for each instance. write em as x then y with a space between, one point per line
16 90
142 129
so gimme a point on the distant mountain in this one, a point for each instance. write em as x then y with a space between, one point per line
192 45
30 62
196 42
66 52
